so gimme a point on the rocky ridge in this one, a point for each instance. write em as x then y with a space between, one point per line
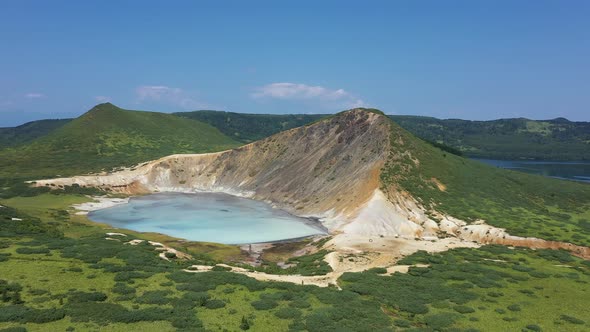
329 170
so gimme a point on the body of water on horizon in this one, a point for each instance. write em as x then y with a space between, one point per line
568 170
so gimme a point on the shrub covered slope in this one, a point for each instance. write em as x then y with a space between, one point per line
106 137
527 205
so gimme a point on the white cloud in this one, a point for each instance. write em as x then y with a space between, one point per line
34 95
102 99
168 95
297 91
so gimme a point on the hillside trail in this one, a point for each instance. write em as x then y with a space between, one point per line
353 253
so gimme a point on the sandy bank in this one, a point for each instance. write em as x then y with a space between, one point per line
99 202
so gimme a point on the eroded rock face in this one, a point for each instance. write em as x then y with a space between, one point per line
327 170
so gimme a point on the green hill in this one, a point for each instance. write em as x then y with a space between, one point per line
524 204
25 133
251 127
106 137
557 139
63 273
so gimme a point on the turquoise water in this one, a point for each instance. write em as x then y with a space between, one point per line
210 217
569 170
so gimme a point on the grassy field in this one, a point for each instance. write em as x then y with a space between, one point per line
95 284
58 272
84 282
57 210
489 289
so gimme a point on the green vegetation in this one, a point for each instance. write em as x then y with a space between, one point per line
557 139
52 282
306 265
107 137
491 288
247 128
60 273
25 133
526 205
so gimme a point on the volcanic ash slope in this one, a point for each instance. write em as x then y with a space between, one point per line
330 169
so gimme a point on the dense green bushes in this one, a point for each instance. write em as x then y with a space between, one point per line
264 304
355 316
31 251
310 265
214 304
103 313
198 298
154 297
377 270
572 320
78 297
306 265
14 329
210 280
24 224
121 288
23 314
439 322
10 292
288 313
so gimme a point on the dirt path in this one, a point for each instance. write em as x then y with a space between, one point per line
352 253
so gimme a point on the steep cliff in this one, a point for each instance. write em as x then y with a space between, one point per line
329 169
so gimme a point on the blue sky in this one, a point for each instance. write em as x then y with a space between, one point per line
448 59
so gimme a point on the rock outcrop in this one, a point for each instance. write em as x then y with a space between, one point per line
329 170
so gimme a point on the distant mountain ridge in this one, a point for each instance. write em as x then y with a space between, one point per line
27 132
517 138
520 138
251 127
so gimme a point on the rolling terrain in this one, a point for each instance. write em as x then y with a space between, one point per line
25 133
364 175
106 137
557 139
248 128
410 246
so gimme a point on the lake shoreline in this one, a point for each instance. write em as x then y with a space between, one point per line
279 221
578 171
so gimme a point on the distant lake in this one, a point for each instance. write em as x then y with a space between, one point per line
569 170
208 217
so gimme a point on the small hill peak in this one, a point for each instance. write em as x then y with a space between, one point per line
560 120
105 107
363 109
101 110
